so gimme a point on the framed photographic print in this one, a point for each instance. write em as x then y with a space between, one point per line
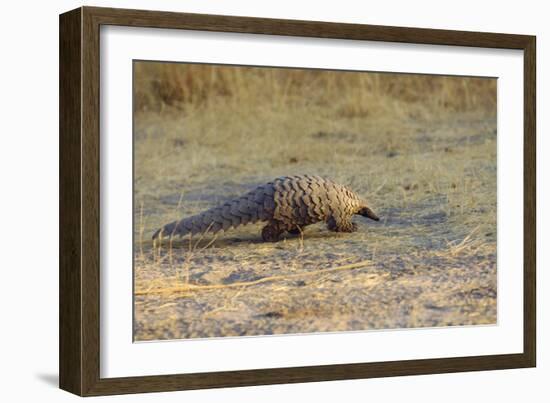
251 201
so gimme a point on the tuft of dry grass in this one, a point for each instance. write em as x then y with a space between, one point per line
420 149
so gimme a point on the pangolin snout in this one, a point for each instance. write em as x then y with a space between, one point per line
367 212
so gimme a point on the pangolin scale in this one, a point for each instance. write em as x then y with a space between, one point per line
287 203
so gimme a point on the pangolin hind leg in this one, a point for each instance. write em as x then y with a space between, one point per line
341 225
272 231
296 230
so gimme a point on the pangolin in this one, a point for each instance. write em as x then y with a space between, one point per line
287 203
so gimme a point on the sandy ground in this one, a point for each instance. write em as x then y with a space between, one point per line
430 261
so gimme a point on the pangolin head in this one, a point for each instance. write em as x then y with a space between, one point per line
365 211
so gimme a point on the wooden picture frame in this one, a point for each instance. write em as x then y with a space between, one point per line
79 346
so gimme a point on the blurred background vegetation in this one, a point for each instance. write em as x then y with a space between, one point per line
351 94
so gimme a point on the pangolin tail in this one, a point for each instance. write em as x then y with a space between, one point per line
257 205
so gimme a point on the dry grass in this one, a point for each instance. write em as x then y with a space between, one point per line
350 94
188 287
421 149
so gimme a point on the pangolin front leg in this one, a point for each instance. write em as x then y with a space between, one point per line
341 224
